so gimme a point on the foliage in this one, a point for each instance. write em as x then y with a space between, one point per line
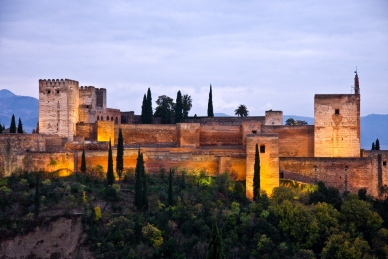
293 122
178 107
165 109
256 175
83 162
216 248
187 103
144 110
20 127
149 113
294 222
210 112
241 111
110 177
12 127
120 155
170 195
377 146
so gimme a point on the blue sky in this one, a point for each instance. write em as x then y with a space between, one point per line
264 54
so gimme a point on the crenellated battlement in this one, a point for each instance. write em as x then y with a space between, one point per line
56 82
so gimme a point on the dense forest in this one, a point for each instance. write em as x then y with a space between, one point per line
186 212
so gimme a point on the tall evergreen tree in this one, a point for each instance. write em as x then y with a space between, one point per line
256 175
210 104
170 197
216 247
120 155
138 181
144 110
145 192
83 162
373 146
1 129
149 107
377 144
20 126
110 177
178 108
12 127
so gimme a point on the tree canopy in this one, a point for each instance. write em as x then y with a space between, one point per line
241 111
293 122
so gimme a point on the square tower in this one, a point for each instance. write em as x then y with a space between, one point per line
337 125
58 107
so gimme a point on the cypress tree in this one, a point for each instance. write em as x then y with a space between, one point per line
178 107
20 126
373 146
170 197
149 107
110 175
145 192
138 181
210 104
144 110
1 129
120 155
377 144
83 162
256 175
12 128
216 249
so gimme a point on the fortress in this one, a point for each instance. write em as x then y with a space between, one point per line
72 118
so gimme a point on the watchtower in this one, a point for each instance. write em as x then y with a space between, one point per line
58 107
337 124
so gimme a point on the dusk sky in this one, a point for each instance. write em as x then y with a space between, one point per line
264 54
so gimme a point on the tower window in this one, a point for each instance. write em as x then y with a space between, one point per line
57 91
384 163
262 149
48 91
281 176
336 111
254 131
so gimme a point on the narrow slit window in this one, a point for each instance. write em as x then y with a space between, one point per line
262 149
336 111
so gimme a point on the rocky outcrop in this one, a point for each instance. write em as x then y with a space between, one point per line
61 238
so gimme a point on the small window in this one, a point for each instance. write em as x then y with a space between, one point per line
281 176
48 91
57 91
336 111
384 163
111 118
254 131
98 118
262 149
87 106
107 118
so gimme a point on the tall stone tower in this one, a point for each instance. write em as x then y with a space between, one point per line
58 107
337 124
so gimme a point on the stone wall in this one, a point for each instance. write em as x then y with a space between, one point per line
109 114
87 104
273 117
349 174
146 134
269 162
188 134
379 160
294 141
224 121
220 135
58 107
337 125
87 130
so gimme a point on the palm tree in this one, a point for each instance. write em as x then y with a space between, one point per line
186 105
241 111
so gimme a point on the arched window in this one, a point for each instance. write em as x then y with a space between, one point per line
111 118
98 118
107 118
116 121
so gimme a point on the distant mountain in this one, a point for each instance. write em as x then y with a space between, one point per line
24 107
221 115
372 126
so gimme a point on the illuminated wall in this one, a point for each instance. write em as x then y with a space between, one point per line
269 162
106 131
337 125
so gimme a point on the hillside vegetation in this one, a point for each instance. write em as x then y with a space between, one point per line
297 221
